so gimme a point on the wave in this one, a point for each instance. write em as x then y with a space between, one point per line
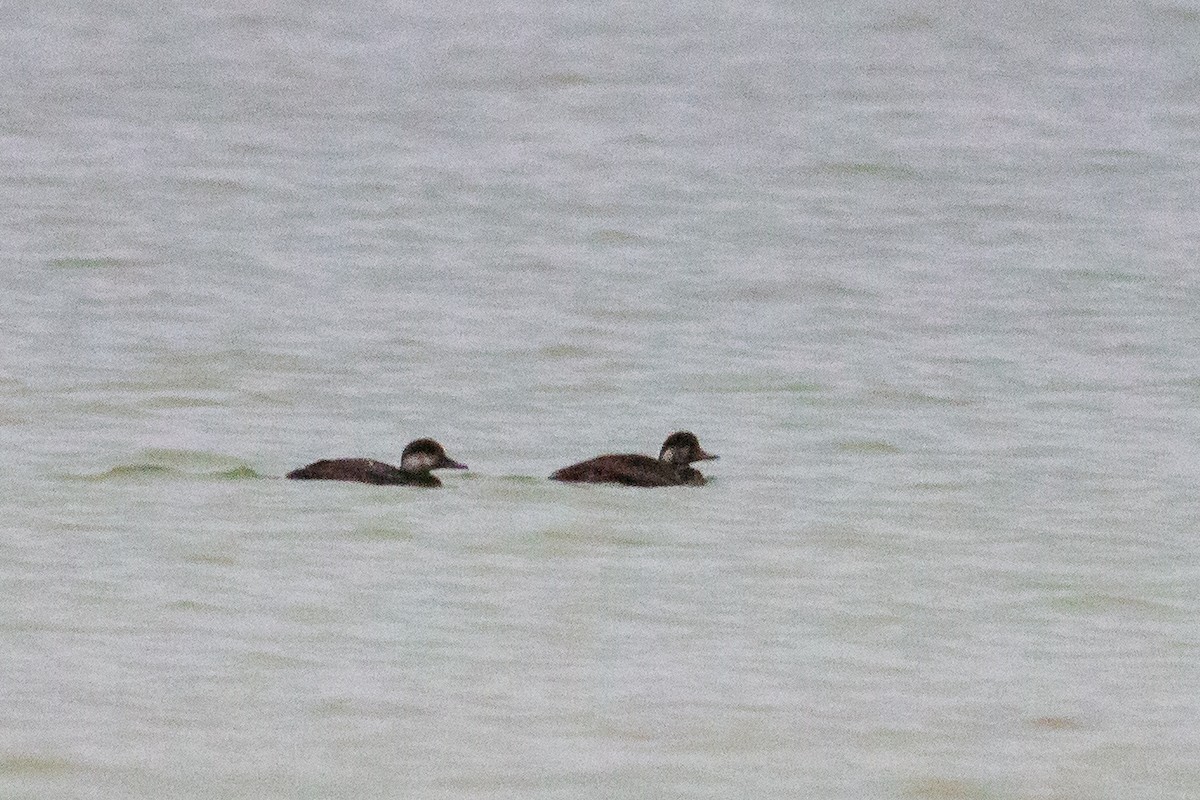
166 464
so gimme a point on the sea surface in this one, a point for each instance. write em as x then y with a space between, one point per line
927 277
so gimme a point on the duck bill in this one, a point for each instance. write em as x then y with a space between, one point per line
449 463
703 456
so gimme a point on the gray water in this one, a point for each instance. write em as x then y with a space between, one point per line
926 279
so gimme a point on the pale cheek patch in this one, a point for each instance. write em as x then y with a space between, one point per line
669 455
418 462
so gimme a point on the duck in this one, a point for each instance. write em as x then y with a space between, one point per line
419 458
671 468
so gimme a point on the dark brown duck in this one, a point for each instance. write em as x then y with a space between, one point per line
416 463
669 469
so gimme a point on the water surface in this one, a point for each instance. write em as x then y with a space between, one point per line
924 279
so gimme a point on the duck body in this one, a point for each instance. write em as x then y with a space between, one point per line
671 468
363 470
417 462
629 470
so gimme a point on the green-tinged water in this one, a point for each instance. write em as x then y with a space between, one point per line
926 280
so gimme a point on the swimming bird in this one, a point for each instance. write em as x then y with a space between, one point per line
669 469
418 458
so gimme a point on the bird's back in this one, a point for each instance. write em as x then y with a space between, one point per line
361 470
628 470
